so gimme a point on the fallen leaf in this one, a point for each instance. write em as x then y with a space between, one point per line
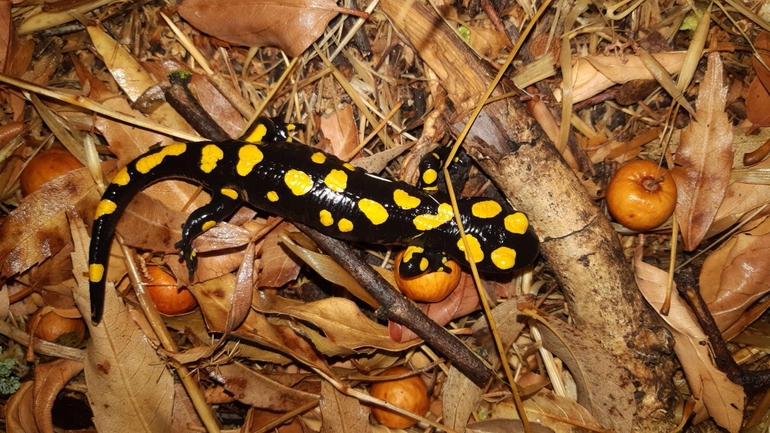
250 387
762 46
19 413
595 74
38 229
552 412
50 379
278 267
291 25
722 399
758 103
737 274
341 413
340 132
704 158
504 426
130 389
340 320
463 300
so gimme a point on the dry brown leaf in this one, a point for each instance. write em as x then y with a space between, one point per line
737 274
552 412
704 158
7 36
133 79
603 386
340 132
291 25
186 420
595 74
463 300
758 103
340 319
214 299
38 229
504 426
250 387
19 413
50 378
130 388
341 413
723 399
278 267
460 395
762 46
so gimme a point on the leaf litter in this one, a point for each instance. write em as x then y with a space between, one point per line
292 351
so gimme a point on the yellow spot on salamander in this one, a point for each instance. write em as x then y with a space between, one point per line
318 158
229 192
430 221
95 273
257 135
105 207
404 200
298 182
272 196
144 165
376 212
336 180
486 209
429 176
349 166
516 223
210 156
475 246
326 218
504 258
410 251
424 264
345 225
121 178
248 156
208 224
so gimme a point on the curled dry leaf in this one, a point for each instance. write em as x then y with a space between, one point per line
121 363
762 46
595 74
50 378
737 274
289 25
758 103
704 158
340 132
19 411
552 412
722 399
278 267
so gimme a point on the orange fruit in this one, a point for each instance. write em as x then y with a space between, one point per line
168 298
641 195
46 165
430 287
407 393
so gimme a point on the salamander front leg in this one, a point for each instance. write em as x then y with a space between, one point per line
223 203
417 261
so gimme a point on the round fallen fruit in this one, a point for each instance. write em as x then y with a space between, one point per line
168 298
407 393
46 165
47 325
641 195
430 287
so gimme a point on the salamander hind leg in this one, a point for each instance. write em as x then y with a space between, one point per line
223 203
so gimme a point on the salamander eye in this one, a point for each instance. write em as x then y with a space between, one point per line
430 286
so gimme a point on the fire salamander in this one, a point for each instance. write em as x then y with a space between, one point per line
303 184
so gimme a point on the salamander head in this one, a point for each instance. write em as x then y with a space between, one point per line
500 239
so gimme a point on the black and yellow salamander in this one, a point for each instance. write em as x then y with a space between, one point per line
303 184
